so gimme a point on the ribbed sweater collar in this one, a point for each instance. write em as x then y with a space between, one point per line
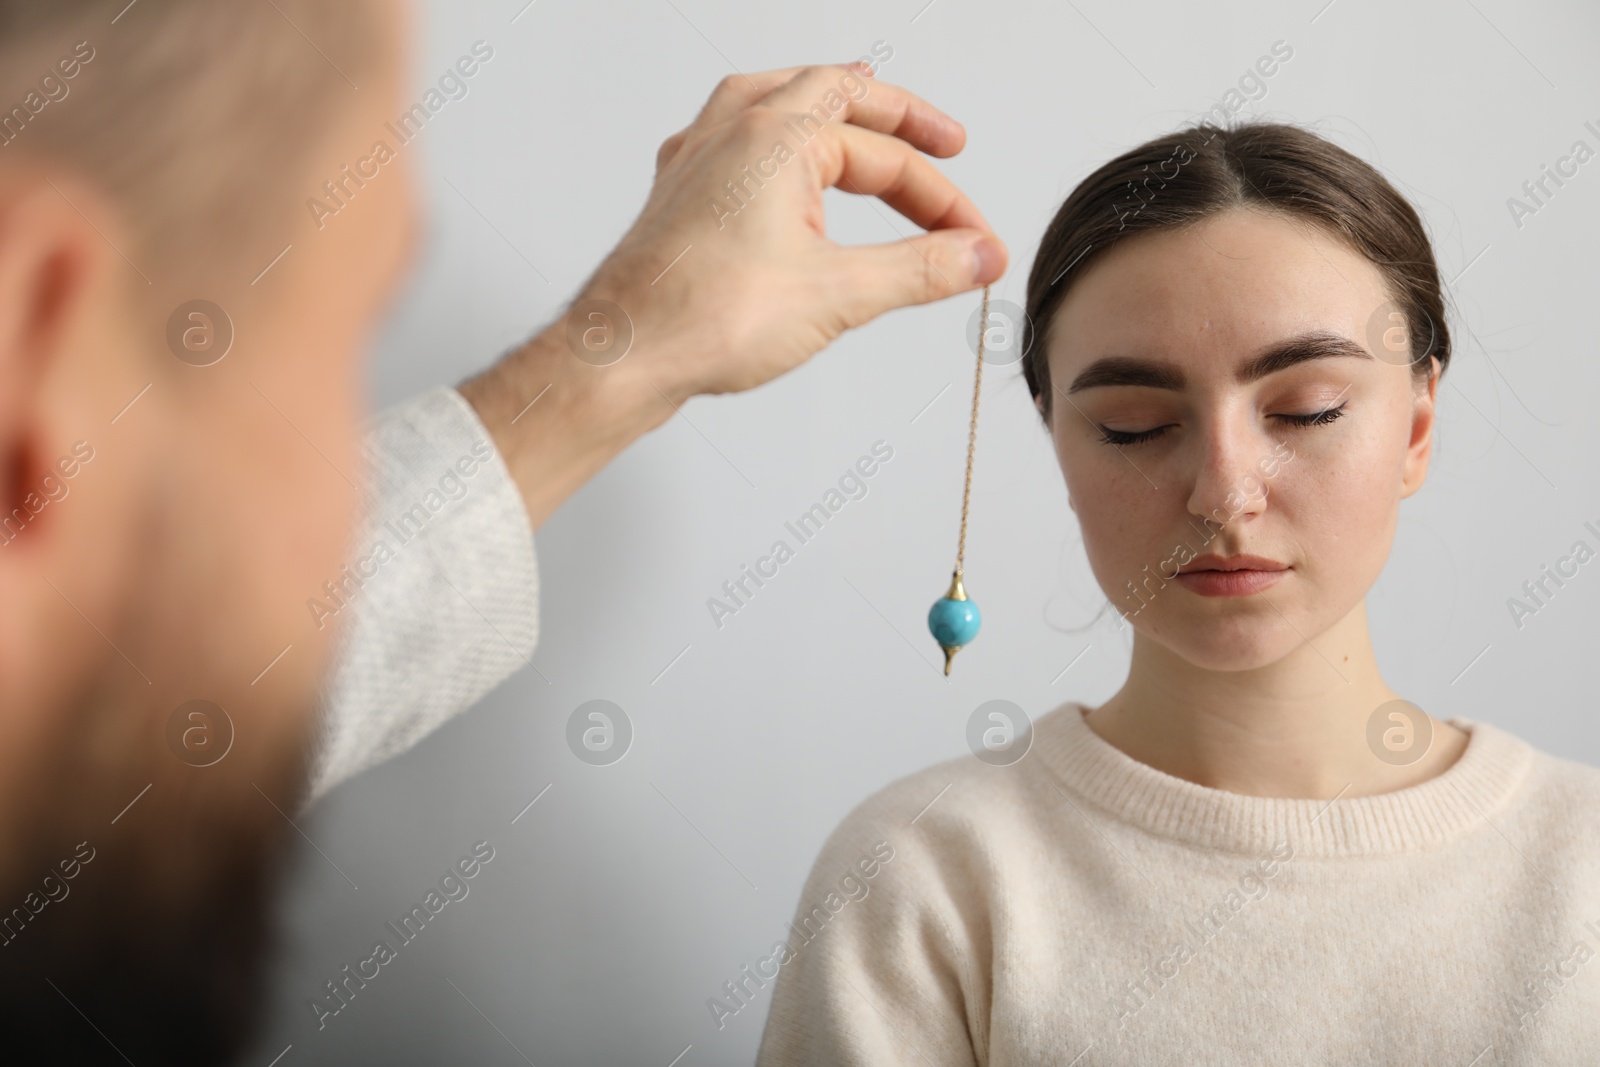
1481 782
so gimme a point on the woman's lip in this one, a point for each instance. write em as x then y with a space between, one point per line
1229 583
1245 561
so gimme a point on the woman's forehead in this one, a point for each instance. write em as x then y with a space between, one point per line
1237 280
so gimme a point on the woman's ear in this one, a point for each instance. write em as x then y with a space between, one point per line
1420 447
1038 405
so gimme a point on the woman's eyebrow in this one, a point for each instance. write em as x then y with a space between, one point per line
1160 374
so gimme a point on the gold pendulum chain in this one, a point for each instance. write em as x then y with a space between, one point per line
972 432
954 618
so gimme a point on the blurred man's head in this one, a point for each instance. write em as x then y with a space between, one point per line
164 518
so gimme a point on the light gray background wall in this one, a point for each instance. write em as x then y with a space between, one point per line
624 898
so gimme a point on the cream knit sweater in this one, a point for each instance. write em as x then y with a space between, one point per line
1080 907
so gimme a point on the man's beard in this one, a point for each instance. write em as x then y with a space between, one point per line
154 948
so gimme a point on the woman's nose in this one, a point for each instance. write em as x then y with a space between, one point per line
1229 454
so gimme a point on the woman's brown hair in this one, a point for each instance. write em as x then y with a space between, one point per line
1184 176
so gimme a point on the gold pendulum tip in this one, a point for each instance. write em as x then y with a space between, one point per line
949 654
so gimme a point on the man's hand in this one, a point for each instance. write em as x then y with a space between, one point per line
761 288
727 278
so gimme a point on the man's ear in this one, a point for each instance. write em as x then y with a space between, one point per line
63 366
1423 412
47 268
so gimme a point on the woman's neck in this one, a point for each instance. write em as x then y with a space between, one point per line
1295 728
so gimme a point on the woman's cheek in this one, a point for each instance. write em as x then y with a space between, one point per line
1118 540
1347 478
1332 506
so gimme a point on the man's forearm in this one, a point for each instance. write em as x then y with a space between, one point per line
556 420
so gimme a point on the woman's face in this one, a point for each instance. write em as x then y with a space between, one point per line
1157 346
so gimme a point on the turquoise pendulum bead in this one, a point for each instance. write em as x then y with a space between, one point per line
954 620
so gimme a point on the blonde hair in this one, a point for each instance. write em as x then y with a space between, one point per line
194 116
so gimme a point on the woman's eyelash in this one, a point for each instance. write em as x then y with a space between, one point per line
1124 437
1316 418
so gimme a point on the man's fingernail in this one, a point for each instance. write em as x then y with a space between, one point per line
988 258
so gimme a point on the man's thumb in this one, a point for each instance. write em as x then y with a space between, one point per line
919 270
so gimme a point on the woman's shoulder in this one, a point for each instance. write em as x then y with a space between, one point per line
1529 761
961 811
1563 781
1556 800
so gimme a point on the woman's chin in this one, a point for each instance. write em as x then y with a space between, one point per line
1233 644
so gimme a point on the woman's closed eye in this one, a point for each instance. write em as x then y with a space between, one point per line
1131 437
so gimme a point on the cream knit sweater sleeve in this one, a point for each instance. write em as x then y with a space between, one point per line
885 952
451 605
